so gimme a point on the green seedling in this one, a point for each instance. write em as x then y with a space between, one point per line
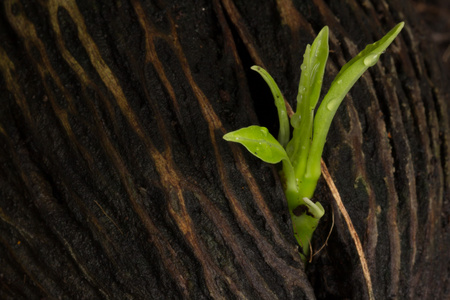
300 156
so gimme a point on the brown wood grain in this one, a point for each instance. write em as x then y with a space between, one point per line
115 182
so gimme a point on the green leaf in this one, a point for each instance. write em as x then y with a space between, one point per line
368 57
259 142
343 82
283 134
318 59
313 68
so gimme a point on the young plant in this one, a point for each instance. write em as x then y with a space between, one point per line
300 156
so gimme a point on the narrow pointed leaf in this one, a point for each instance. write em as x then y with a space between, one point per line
343 82
283 134
313 68
318 60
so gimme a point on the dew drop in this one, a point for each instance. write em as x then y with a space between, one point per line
339 81
295 120
303 67
371 60
333 104
264 131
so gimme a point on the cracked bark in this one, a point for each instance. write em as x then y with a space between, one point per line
115 182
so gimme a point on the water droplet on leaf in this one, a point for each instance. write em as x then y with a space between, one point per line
333 104
371 60
264 131
295 120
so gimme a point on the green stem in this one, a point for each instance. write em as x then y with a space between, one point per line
291 190
306 224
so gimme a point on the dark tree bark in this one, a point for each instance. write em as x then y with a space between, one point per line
115 182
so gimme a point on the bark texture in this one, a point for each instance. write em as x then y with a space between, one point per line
115 182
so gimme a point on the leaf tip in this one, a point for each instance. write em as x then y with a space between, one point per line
398 28
324 30
228 137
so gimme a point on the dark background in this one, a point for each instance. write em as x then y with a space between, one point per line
115 182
